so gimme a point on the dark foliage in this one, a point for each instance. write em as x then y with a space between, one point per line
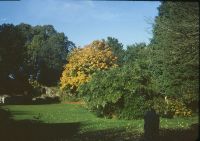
30 53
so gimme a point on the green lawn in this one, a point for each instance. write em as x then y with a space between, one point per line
71 113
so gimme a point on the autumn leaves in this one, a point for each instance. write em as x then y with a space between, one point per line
83 62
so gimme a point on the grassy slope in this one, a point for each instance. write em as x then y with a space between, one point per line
70 113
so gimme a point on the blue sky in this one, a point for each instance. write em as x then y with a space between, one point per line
85 21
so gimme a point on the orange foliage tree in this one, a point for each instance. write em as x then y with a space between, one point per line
83 62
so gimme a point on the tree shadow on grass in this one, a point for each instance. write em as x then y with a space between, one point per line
32 130
191 134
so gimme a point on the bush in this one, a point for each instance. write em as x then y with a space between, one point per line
64 96
179 108
118 92
102 95
170 109
134 107
46 100
37 88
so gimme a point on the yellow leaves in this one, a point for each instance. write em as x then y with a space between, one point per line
83 62
179 108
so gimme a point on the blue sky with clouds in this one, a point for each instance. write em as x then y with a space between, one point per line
85 21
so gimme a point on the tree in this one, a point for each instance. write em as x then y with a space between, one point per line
12 52
135 53
36 53
46 52
117 49
83 62
175 50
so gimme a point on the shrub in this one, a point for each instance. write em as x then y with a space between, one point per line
118 92
101 95
134 107
67 98
179 108
172 108
37 88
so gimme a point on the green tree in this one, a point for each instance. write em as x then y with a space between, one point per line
27 52
46 53
12 52
135 53
175 50
117 49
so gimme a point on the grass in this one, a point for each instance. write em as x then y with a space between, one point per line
69 113
89 123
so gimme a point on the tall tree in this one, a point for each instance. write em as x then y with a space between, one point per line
46 52
11 57
175 50
27 52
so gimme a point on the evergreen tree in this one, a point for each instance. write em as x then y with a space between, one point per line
175 50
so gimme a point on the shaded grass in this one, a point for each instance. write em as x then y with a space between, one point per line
57 117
